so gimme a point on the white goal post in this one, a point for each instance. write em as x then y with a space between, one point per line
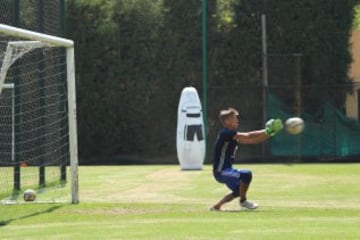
11 87
54 41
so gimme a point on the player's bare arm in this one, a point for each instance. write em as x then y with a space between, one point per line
252 137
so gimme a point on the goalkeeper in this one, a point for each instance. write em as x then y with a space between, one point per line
237 180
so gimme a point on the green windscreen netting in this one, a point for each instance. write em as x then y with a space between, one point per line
328 133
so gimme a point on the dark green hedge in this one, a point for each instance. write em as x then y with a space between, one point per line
134 58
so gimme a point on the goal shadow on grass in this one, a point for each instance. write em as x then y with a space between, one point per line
49 210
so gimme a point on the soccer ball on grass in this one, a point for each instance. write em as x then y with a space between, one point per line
29 195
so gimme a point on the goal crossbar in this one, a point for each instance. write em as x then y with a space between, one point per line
23 33
55 41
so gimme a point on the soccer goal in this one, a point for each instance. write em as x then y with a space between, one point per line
38 134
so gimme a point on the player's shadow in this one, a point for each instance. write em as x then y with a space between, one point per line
49 210
238 211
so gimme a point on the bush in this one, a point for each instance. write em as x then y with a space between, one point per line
134 58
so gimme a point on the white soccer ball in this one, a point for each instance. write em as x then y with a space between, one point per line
294 125
29 195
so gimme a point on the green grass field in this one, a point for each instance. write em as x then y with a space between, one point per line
305 201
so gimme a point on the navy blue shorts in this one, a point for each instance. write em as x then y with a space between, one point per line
232 178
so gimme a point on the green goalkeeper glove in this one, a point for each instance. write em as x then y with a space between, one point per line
273 126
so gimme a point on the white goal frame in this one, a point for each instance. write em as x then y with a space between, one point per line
11 86
71 89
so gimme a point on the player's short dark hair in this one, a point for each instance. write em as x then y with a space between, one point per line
226 113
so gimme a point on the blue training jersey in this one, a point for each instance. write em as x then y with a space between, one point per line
225 149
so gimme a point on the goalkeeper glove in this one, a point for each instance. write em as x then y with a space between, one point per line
273 126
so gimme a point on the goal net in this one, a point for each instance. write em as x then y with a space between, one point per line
38 146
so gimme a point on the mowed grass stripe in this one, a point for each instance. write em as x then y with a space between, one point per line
305 201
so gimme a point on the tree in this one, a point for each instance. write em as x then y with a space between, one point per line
135 56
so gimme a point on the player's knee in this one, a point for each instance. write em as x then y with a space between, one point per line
246 177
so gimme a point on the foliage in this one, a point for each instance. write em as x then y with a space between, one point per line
118 42
319 32
135 56
356 23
